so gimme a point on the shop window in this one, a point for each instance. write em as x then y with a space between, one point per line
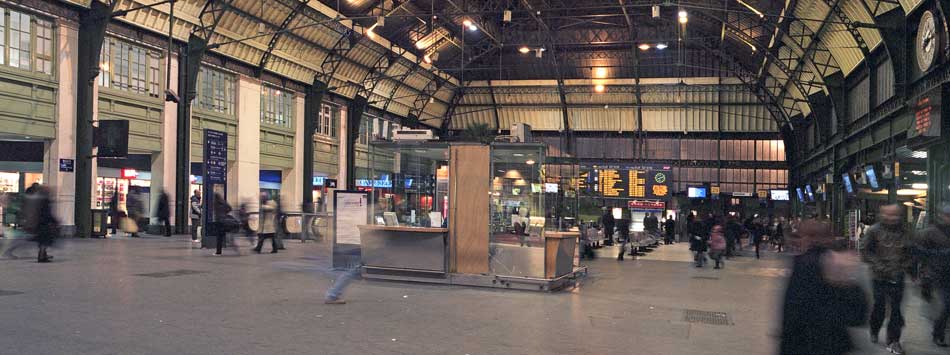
216 91
276 107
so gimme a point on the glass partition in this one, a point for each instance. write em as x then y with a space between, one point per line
408 184
517 210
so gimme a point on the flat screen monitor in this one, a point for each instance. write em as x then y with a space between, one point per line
550 187
696 192
778 195
872 177
847 183
801 196
810 192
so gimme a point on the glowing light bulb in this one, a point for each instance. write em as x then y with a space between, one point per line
524 50
599 88
644 47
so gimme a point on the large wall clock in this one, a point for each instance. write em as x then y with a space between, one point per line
928 41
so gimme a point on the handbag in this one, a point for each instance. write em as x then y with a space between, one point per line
128 225
229 223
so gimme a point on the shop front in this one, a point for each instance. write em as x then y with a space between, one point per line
21 165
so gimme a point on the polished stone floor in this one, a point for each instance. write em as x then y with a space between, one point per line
159 295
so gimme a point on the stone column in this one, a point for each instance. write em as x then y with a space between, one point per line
64 145
244 174
292 184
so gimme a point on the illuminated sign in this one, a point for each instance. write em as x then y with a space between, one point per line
646 205
386 184
651 182
927 115
129 173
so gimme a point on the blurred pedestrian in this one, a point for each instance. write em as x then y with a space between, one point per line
778 237
886 249
608 221
134 209
163 213
222 222
733 231
697 242
933 246
822 298
280 223
717 246
115 216
266 226
194 213
669 226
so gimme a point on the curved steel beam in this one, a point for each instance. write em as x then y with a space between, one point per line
272 43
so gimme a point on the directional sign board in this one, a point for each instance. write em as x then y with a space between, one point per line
216 156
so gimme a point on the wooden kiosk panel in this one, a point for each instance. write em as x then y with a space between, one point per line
468 219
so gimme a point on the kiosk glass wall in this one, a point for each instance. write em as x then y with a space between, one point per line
517 211
409 184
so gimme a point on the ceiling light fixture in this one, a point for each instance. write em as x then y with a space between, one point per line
918 186
757 12
427 59
537 53
644 47
524 50
420 44
506 16
683 16
661 46
529 162
656 11
472 27
599 88
600 72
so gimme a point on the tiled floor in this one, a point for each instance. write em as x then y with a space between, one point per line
162 296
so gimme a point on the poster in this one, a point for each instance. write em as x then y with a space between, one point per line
352 210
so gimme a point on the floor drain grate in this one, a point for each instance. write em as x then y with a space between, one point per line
706 317
172 273
706 277
9 293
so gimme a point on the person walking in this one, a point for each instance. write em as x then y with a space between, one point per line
163 213
669 226
932 245
194 212
733 231
266 227
886 249
822 298
778 237
608 221
114 214
133 207
697 242
717 246
221 222
758 234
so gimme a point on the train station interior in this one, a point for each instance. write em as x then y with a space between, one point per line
507 176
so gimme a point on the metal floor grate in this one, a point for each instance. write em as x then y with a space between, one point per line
172 273
706 317
9 293
706 277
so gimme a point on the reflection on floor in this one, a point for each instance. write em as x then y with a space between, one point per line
96 299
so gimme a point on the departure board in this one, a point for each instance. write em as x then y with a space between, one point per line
651 182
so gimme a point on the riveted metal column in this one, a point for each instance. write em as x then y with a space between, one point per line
92 32
311 112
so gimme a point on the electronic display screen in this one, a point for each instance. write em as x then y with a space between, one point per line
848 186
872 177
801 196
810 192
652 182
696 192
550 187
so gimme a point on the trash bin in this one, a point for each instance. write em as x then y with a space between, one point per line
100 225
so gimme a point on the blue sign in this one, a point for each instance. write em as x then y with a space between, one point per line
318 180
216 156
66 165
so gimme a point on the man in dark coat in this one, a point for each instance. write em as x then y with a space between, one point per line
886 248
822 299
932 245
608 222
669 226
163 213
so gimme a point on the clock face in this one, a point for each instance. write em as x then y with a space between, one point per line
927 41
